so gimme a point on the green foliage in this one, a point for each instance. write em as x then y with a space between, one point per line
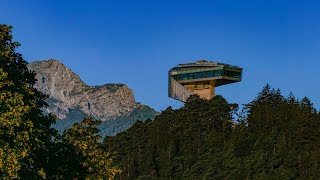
79 153
275 137
177 143
285 136
29 147
24 132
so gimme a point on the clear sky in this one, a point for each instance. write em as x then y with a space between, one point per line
136 42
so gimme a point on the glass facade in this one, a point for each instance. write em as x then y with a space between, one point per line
201 78
227 71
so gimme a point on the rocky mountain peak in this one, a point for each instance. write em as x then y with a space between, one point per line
68 92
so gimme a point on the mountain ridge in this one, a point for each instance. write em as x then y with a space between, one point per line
70 95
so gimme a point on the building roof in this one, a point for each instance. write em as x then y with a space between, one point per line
202 63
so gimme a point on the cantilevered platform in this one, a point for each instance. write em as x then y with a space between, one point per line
201 78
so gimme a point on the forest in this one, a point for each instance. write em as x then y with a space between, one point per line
272 137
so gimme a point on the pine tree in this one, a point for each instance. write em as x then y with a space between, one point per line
274 138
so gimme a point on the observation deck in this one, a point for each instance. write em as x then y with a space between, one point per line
201 78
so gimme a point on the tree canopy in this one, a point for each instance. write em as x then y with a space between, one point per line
29 147
25 132
274 137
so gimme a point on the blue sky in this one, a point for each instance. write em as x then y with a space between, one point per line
137 42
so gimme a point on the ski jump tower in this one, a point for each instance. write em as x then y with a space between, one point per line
201 78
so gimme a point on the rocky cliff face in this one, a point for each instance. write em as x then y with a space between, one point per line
70 98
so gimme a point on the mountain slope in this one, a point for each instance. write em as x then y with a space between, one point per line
70 99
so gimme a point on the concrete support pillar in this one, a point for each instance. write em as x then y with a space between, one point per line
212 88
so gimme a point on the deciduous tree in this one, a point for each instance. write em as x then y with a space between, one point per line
25 132
85 143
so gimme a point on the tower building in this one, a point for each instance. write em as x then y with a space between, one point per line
201 78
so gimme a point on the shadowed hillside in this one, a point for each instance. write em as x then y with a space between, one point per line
71 100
